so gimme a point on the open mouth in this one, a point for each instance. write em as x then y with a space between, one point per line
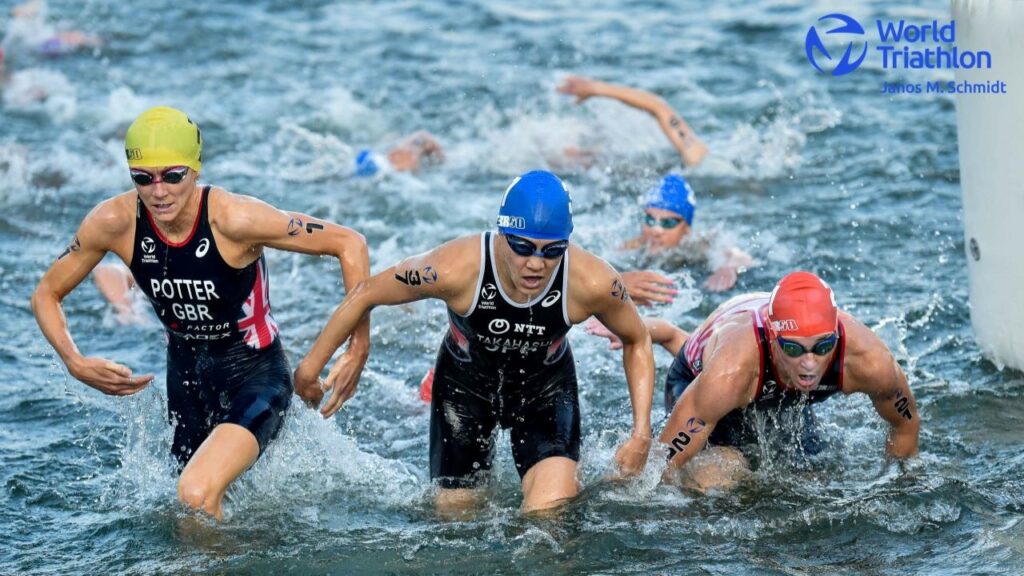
806 380
532 282
163 208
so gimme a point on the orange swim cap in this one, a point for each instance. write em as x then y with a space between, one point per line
802 305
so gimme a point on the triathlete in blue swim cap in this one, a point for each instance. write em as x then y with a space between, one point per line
666 233
512 295
670 204
411 153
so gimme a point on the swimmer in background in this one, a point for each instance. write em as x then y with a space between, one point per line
30 27
690 147
29 33
413 152
772 355
666 233
668 212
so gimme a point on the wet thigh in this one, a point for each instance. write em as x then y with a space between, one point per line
260 405
191 409
462 431
549 426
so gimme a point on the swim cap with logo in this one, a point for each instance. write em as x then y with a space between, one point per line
163 136
802 305
674 194
536 205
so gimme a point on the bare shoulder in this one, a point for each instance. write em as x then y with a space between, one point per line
591 277
868 362
113 217
732 359
733 343
232 212
453 263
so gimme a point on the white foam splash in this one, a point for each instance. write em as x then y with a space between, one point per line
36 90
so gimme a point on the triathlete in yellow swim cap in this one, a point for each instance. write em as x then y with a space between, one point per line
197 253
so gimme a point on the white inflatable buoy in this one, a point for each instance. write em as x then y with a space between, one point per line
990 128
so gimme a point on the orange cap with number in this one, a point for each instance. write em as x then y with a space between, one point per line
802 305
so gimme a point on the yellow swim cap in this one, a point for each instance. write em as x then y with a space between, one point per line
164 136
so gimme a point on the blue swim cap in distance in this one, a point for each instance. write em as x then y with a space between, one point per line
365 163
536 205
674 194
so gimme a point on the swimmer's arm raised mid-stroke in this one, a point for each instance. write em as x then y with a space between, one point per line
443 273
103 230
731 363
602 294
870 368
253 224
690 147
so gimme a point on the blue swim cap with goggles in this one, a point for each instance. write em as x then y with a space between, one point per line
536 205
674 194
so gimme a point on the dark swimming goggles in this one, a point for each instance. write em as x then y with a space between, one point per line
666 223
170 176
523 247
796 349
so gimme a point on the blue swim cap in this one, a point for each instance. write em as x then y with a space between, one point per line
674 194
365 164
536 205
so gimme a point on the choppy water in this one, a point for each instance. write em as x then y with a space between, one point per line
806 172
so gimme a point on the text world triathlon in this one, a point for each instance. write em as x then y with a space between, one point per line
937 57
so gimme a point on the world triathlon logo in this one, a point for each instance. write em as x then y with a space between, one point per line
848 31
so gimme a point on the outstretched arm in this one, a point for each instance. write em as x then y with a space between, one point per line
691 148
663 332
610 304
83 253
436 274
666 334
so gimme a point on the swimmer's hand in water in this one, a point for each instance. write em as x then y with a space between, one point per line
308 385
723 279
646 287
342 380
595 328
108 376
578 86
632 455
